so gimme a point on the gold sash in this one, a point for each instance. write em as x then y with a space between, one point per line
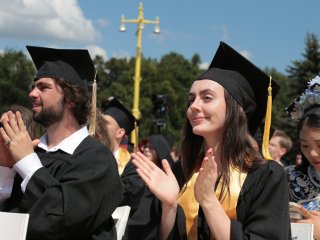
122 159
229 202
190 207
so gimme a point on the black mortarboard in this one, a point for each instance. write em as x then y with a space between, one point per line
74 66
244 81
122 115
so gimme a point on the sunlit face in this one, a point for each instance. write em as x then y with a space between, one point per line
207 108
310 145
115 132
112 125
275 150
47 99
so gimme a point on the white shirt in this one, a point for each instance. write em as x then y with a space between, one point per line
28 165
6 182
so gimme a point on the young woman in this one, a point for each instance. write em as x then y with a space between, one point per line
304 180
241 195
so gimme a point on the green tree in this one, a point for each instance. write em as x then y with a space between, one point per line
299 73
302 71
175 75
16 77
170 76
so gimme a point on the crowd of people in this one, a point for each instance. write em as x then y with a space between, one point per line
220 185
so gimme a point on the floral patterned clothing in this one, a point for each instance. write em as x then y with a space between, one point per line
304 182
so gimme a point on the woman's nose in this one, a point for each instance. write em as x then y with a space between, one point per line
195 106
314 153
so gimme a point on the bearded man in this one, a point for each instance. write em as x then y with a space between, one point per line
69 184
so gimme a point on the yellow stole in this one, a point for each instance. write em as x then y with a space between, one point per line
122 158
229 202
190 207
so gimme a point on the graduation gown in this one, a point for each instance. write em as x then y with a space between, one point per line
262 207
72 196
145 214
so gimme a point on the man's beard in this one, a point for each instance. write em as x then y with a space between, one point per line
50 115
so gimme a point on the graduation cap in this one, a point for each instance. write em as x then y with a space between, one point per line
249 86
74 66
121 114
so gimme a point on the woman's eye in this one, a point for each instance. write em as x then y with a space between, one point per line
190 101
207 97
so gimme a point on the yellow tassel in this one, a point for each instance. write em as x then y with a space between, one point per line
136 134
93 117
267 124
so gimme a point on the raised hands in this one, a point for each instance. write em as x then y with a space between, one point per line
16 136
162 183
207 177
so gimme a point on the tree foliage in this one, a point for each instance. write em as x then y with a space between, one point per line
299 73
170 76
303 70
16 77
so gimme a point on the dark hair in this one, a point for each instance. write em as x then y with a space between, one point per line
80 99
237 150
312 120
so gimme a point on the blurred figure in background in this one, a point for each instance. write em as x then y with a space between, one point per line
279 145
7 176
120 123
156 148
145 215
298 160
101 130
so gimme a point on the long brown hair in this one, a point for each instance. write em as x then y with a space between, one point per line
236 148
102 132
80 98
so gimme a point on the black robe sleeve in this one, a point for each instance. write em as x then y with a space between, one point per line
262 209
133 187
145 214
73 196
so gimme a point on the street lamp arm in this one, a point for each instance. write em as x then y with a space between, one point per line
150 22
130 20
140 21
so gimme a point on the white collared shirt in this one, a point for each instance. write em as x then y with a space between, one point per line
28 165
6 182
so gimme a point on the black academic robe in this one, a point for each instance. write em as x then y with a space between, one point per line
262 209
145 215
72 196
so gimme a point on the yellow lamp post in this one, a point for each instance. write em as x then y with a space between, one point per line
140 21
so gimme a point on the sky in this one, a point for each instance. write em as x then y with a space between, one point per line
269 33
